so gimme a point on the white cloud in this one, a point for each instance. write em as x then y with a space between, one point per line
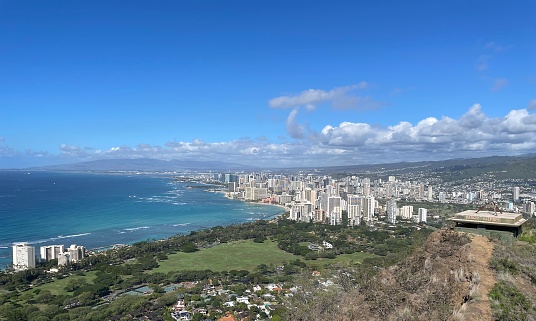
445 137
341 98
6 151
72 150
294 129
310 98
347 134
473 134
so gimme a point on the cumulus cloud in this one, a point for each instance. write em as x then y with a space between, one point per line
6 151
448 137
341 98
72 150
310 98
294 129
472 134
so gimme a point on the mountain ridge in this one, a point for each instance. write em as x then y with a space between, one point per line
507 166
145 164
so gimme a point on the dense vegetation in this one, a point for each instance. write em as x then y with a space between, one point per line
514 295
93 288
414 287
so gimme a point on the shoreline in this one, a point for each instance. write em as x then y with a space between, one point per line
226 194
115 242
103 236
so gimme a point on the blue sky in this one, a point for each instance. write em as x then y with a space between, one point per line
271 83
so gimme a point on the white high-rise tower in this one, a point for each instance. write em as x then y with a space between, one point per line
23 256
516 194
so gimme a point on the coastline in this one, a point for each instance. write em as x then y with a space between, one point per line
160 210
226 194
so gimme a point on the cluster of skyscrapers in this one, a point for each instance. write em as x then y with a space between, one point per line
352 199
24 256
323 199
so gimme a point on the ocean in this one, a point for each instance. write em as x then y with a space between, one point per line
99 210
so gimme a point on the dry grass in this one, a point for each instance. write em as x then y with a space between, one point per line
431 284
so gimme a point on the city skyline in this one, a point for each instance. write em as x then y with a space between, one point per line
272 84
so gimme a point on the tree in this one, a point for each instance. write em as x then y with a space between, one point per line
74 284
188 247
344 219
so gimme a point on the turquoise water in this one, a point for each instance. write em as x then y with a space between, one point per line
96 210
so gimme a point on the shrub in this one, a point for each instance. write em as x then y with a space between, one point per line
508 303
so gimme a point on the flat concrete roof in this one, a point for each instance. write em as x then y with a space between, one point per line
487 217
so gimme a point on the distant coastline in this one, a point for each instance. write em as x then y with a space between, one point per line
257 203
95 209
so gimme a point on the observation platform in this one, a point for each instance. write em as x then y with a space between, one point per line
489 218
491 223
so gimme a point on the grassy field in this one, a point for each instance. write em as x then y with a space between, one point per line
240 255
57 286
243 255
343 259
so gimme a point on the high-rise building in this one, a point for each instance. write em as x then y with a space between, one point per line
50 252
516 194
333 201
310 195
255 193
64 258
390 189
529 208
302 211
470 196
284 198
422 214
420 193
368 208
23 256
430 194
320 216
406 212
354 206
366 186
391 210
335 217
334 209
231 187
76 252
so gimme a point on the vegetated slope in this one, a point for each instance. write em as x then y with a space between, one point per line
500 167
517 167
438 281
514 295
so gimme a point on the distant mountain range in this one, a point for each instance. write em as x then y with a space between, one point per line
502 167
145 164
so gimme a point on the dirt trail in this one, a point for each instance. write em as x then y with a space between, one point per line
480 308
